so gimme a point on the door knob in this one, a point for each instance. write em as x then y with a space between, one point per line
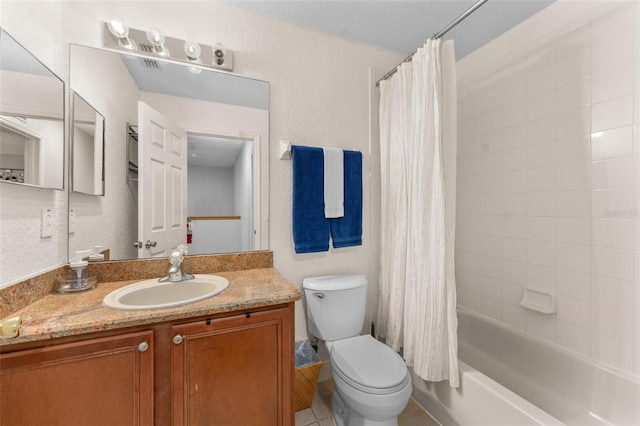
150 244
177 339
137 244
142 347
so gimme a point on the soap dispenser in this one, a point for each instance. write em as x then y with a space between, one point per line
78 266
78 272
96 255
79 279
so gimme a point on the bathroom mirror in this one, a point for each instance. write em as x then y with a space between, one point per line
216 122
87 147
31 119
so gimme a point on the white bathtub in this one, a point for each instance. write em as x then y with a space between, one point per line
509 378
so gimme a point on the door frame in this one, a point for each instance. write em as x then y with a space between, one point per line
259 241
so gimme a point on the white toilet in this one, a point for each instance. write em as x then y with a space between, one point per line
373 384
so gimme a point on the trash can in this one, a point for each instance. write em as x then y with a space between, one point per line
307 370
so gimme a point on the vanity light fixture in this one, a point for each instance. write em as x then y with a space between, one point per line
154 43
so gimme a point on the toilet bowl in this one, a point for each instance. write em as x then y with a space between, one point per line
373 384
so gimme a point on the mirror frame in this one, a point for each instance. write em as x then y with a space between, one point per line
62 119
72 120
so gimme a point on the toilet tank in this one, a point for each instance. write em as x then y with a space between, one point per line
335 305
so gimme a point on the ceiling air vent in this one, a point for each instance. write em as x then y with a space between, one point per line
150 63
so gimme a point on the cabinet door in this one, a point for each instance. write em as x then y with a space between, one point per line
107 381
234 371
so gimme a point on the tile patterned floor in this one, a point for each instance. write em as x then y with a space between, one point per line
320 412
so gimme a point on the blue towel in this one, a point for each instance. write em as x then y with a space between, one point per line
310 228
347 231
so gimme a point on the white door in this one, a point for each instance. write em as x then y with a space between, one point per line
162 189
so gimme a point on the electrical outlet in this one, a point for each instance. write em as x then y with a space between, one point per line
46 224
72 221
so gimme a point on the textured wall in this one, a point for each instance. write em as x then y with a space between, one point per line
320 95
548 178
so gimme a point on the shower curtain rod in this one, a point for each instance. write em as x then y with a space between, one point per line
436 36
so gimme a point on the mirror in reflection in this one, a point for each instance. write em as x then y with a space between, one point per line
186 158
87 148
31 119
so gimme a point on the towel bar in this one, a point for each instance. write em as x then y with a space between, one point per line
285 149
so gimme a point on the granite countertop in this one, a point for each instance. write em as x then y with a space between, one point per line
59 315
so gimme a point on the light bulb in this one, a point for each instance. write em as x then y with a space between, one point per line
121 32
155 37
192 49
118 29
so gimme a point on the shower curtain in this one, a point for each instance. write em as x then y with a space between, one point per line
417 298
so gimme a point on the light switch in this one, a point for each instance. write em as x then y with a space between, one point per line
46 224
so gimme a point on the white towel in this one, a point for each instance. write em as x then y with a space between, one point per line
333 183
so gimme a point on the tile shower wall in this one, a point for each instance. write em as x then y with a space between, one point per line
549 178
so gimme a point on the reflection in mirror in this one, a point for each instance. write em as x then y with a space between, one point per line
186 152
31 119
87 148
220 188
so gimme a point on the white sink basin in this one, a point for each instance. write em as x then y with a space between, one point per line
150 294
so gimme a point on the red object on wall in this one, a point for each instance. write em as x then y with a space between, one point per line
189 232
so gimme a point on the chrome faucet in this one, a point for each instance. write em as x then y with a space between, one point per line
175 273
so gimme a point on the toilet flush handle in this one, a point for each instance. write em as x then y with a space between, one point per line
319 295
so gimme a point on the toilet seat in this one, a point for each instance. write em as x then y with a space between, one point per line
369 365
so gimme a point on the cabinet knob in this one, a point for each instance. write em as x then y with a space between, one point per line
177 339
142 347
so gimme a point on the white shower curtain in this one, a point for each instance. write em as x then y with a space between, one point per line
417 298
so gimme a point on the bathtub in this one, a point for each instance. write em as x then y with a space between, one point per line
509 378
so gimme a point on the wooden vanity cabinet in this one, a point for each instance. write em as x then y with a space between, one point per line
231 369
235 370
98 381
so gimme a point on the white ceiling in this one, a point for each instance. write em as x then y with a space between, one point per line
209 151
402 25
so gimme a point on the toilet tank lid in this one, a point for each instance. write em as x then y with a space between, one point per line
335 282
